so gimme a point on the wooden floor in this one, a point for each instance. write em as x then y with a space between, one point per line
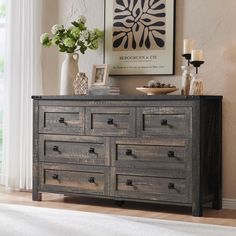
221 217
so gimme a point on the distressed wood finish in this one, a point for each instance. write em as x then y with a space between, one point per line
61 120
159 121
66 178
160 149
110 122
74 149
126 183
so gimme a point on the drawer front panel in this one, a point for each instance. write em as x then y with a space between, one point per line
105 121
74 149
170 121
166 154
150 188
80 180
61 120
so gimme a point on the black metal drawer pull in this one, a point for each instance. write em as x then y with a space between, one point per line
55 148
171 154
164 122
128 152
171 186
55 176
110 121
91 150
61 120
129 182
91 180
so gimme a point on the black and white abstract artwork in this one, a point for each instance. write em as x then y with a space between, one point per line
139 37
139 25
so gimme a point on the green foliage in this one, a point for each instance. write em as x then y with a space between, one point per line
2 10
75 38
1 65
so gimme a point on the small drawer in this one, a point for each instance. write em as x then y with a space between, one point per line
73 149
61 120
162 154
137 186
78 179
103 121
164 121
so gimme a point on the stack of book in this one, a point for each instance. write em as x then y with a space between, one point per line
103 90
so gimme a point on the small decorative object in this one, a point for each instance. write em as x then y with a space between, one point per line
100 75
155 88
76 38
188 46
186 80
81 84
139 37
103 90
196 86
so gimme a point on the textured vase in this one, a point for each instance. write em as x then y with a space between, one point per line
196 86
81 84
69 70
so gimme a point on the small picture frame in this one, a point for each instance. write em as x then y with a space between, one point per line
100 75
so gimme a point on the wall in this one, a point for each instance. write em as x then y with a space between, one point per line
210 23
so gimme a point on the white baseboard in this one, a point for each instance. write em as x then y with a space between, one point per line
229 204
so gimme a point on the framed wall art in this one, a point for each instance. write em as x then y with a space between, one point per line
139 37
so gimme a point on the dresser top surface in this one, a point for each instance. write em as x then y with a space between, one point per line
126 97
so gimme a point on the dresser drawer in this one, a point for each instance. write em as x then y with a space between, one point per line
164 121
166 154
61 120
137 186
79 179
74 149
104 121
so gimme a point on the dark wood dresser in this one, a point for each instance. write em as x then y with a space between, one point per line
157 149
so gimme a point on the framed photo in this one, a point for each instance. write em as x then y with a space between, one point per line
139 37
100 75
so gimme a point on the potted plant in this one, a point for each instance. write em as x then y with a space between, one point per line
71 40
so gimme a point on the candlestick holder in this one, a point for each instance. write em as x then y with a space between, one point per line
196 64
187 56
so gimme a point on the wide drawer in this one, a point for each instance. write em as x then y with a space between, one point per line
107 121
138 186
166 154
77 179
73 149
61 120
164 121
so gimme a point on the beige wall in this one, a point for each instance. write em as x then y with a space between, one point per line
211 23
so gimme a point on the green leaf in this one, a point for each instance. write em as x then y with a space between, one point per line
76 24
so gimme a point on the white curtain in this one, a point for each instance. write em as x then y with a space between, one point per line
23 79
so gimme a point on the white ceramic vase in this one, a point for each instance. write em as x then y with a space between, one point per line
69 70
186 79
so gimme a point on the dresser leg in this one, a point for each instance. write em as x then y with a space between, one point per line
217 204
197 210
36 196
119 203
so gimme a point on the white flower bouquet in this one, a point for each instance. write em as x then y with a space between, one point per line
75 38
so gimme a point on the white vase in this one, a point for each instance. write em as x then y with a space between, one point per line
186 79
69 70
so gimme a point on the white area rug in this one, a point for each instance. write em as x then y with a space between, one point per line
17 220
